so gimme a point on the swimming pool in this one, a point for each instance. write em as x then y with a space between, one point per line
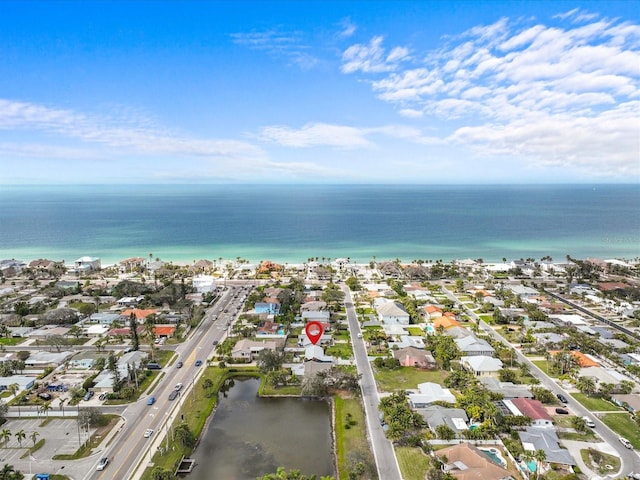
494 455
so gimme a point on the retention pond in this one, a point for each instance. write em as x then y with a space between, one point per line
250 436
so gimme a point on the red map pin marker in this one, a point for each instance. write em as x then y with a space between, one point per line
314 331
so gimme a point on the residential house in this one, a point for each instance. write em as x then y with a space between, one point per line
508 390
11 267
129 302
87 264
164 331
84 360
482 365
533 409
139 313
22 381
534 439
605 375
414 357
313 306
392 313
130 265
41 360
454 418
471 345
322 316
429 393
467 462
444 321
249 349
316 352
630 402
270 308
304 342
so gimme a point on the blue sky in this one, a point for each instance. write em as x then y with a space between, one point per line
319 92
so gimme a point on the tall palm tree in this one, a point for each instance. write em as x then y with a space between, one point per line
34 436
5 435
20 435
45 408
540 457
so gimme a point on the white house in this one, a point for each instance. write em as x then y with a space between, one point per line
392 313
87 264
430 392
481 365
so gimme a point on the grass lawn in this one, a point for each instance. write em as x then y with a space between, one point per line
11 341
543 365
415 331
342 350
352 445
406 377
596 404
623 425
413 463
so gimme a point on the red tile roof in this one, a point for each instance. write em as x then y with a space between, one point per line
531 408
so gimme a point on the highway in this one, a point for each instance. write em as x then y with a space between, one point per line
384 455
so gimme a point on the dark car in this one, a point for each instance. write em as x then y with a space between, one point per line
198 363
173 395
562 411
44 396
179 365
562 398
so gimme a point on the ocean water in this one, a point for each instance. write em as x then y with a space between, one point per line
288 223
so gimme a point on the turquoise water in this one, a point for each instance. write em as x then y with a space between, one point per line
293 223
532 466
493 457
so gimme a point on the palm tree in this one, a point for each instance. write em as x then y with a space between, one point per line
20 435
13 388
540 457
5 435
34 436
45 408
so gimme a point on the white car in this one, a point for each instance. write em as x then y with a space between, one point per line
178 387
625 442
103 463
588 422
148 432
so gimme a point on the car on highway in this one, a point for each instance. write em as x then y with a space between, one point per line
173 395
625 442
179 365
215 342
198 363
178 387
102 464
148 432
562 398
151 400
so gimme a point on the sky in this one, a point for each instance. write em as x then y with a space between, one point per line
428 92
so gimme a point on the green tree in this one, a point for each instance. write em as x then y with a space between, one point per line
20 435
540 457
5 435
586 385
160 473
507 375
269 360
185 436
8 472
444 432
34 436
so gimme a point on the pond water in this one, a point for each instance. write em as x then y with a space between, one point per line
250 436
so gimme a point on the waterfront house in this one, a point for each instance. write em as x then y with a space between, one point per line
248 349
86 265
204 283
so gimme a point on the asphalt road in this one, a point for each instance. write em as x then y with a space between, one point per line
384 455
630 459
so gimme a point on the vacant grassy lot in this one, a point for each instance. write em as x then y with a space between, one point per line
543 365
623 425
596 404
601 461
413 463
352 445
406 378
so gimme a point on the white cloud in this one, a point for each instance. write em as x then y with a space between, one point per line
289 45
372 57
541 93
347 28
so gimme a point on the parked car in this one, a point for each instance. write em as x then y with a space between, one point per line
102 397
153 366
148 432
562 411
44 396
88 396
103 463
562 398
198 363
625 442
